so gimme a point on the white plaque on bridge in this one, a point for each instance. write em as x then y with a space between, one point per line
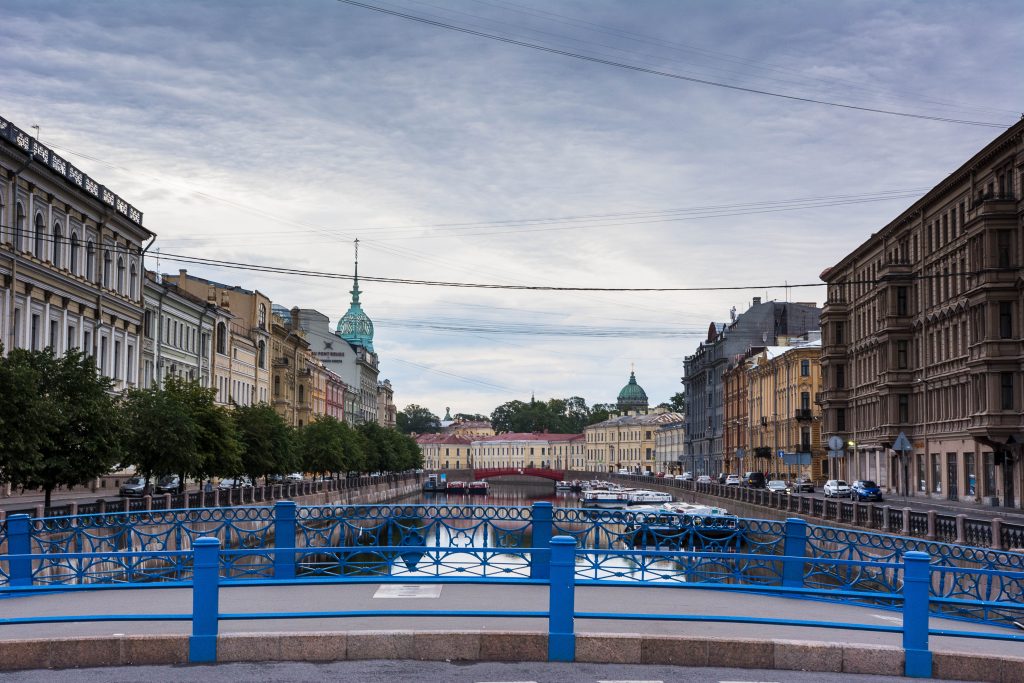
400 590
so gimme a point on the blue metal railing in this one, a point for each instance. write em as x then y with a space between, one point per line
285 544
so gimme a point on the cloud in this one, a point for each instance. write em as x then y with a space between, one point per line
277 132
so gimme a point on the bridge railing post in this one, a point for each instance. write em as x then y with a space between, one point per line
19 542
916 585
794 548
562 600
202 646
284 539
540 558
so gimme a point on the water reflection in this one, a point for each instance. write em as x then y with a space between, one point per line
448 523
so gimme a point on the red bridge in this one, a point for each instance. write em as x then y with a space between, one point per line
490 473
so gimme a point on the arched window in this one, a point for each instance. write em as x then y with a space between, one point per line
73 261
120 275
40 236
106 268
133 281
263 318
302 394
222 341
19 225
262 356
58 246
90 261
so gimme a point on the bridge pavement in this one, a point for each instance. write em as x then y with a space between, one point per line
648 600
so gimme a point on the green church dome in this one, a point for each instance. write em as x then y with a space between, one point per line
632 396
355 326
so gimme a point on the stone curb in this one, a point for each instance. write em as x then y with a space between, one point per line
497 646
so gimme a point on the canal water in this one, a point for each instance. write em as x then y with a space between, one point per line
501 493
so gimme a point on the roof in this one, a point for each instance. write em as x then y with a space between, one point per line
528 436
650 418
451 439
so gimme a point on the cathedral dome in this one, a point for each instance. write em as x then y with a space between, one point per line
632 396
355 326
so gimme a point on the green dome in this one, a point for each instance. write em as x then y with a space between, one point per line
355 326
632 396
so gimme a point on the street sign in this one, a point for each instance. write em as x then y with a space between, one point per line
837 453
902 443
740 453
782 453
835 443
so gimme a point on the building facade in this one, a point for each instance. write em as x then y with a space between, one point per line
922 336
525 449
625 442
177 332
71 260
241 338
670 447
444 451
387 413
704 369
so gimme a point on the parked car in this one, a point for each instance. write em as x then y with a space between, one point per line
623 470
240 482
704 479
168 484
298 476
135 486
836 488
754 480
660 475
275 479
865 489
687 476
732 480
777 486
802 485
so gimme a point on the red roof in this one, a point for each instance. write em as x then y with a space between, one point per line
530 436
443 438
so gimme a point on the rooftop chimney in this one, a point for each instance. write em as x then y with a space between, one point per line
757 300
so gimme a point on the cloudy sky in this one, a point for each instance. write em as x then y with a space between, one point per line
275 133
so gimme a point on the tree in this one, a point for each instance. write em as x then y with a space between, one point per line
319 446
414 419
678 402
178 429
59 423
471 417
266 441
557 415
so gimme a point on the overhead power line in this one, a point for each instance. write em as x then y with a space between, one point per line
659 72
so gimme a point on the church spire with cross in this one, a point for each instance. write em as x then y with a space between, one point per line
355 326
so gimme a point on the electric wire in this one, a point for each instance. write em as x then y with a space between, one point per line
662 73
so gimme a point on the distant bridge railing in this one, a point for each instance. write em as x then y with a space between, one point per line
542 472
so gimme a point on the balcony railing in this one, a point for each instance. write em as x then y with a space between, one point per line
804 414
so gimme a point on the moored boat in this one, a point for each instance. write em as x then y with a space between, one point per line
679 526
433 484
646 497
604 499
479 487
457 487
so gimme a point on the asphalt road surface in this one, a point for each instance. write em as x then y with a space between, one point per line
408 671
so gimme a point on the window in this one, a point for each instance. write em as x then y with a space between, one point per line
34 333
936 474
90 261
262 355
805 400
120 275
903 412
106 268
922 485
902 361
901 301
805 368
840 377
72 337
840 419
73 259
1006 390
19 225
222 342
302 394
988 465
87 342
263 317
277 385
103 355
54 336
40 237
133 279
58 247
116 374
1005 320
970 475
147 323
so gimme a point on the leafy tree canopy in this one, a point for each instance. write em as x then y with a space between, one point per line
414 419
266 441
59 423
556 415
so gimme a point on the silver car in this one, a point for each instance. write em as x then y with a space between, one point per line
836 488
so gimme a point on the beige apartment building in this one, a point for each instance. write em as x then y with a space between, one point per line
922 336
444 451
625 441
526 449
241 339
769 406
71 260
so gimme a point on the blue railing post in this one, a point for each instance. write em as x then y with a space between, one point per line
541 513
19 542
202 646
562 600
284 539
794 546
916 590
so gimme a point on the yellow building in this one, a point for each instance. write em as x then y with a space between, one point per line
625 442
474 429
444 451
781 385
241 339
